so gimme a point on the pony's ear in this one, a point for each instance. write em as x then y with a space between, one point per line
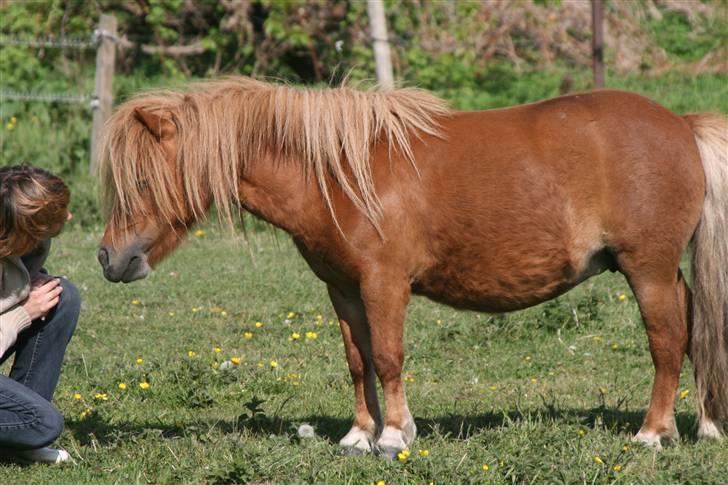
159 127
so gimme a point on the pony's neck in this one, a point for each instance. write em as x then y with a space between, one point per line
279 192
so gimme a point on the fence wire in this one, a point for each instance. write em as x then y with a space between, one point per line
52 42
10 95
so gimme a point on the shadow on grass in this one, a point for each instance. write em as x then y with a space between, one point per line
455 427
612 420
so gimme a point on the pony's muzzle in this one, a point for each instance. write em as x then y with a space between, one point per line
128 266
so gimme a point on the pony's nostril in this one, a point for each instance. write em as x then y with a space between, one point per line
103 257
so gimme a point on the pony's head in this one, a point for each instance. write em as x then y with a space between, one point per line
168 156
143 188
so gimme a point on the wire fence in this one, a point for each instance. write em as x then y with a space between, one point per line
88 42
10 95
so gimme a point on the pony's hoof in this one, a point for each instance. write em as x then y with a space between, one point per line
710 430
389 454
656 441
354 451
391 443
356 442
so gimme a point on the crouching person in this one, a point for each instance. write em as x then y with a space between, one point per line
38 313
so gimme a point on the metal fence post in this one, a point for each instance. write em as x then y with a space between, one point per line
103 96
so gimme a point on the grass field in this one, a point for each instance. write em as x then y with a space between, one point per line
547 395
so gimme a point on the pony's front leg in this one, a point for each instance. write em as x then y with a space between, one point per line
355 331
385 300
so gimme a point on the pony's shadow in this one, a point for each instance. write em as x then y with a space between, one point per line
95 429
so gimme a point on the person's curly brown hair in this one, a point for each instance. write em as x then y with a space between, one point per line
33 208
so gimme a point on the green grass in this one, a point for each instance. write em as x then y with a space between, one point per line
536 395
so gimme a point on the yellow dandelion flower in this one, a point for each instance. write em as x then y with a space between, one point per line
295 336
85 413
311 335
581 432
139 361
235 360
171 314
424 453
258 325
486 467
144 385
101 396
684 394
199 233
217 350
10 126
77 397
439 322
622 297
273 364
136 302
617 468
625 448
319 317
615 346
122 386
598 460
534 380
381 482
191 354
223 313
248 335
403 455
291 314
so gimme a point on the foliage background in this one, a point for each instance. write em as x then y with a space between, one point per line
476 55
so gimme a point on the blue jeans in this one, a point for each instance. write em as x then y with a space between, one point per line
27 418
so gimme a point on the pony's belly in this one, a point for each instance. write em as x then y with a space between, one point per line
492 296
483 286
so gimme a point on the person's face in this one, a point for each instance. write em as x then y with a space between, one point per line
56 230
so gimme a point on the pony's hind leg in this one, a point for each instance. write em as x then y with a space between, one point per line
662 305
355 331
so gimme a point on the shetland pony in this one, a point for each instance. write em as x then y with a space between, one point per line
389 193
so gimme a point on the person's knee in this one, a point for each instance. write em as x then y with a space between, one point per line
68 309
46 430
70 299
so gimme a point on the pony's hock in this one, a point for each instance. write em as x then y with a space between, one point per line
389 193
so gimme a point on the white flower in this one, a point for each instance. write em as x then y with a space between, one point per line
306 431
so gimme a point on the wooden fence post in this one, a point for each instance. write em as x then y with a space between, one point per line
597 43
382 57
103 96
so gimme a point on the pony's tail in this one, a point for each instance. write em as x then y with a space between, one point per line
709 335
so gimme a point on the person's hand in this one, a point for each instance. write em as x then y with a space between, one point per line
39 279
43 298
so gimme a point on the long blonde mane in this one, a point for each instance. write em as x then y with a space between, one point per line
222 126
